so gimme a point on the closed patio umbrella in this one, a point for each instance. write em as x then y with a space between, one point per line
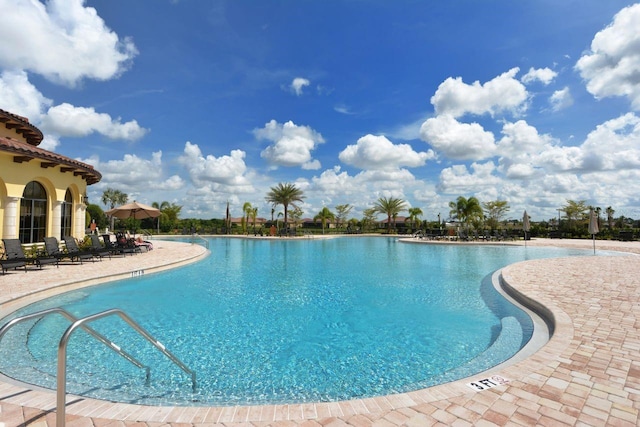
593 227
526 226
134 210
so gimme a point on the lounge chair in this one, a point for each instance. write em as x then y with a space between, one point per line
12 259
97 248
52 248
40 259
74 252
112 247
126 245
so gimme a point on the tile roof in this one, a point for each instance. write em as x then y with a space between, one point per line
26 152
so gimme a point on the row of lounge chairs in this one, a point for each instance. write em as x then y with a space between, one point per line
463 235
14 256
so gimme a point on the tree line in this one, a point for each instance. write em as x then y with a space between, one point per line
469 213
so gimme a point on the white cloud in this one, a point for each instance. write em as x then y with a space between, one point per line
544 75
614 145
133 173
67 120
298 84
226 170
519 147
20 97
377 152
561 99
612 66
458 179
502 94
292 144
66 41
461 141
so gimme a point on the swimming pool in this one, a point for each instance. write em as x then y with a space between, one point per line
289 321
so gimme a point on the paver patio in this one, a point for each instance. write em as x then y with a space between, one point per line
587 374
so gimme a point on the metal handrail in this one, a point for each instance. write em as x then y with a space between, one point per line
62 355
97 335
196 235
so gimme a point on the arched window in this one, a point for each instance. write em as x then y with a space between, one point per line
65 220
33 213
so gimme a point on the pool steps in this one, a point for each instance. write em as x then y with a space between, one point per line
61 377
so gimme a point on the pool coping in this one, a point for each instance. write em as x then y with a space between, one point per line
430 403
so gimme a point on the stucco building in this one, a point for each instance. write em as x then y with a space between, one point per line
42 193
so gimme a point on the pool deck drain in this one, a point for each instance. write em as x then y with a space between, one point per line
588 373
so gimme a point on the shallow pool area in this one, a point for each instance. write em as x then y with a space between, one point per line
288 321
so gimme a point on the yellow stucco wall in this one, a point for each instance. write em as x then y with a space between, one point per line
15 176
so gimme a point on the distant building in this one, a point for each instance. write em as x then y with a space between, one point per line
42 193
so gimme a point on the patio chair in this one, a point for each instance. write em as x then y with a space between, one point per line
126 245
52 248
110 246
14 246
11 258
73 250
97 248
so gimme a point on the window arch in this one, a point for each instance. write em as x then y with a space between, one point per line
66 214
33 213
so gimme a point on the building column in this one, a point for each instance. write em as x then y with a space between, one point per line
56 219
11 221
80 221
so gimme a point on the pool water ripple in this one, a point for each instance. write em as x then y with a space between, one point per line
288 321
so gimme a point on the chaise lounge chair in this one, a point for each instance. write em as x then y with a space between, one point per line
14 246
12 259
97 249
52 248
126 245
74 251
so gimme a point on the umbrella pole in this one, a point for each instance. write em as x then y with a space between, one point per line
594 243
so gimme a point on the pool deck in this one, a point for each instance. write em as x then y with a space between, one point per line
588 374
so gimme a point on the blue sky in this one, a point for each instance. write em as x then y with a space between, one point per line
199 103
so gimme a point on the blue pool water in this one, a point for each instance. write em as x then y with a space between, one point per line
273 321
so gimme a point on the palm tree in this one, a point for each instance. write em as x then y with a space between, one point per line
390 206
169 213
285 195
253 214
466 210
414 214
610 211
246 209
324 215
112 197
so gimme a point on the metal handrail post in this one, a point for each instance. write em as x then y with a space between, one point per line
97 335
62 356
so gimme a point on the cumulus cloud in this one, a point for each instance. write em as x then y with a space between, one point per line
67 41
519 147
458 179
134 173
226 170
561 99
377 152
614 145
544 75
292 144
456 140
612 66
19 96
298 84
501 94
67 120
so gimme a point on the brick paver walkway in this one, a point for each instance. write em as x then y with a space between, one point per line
587 374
